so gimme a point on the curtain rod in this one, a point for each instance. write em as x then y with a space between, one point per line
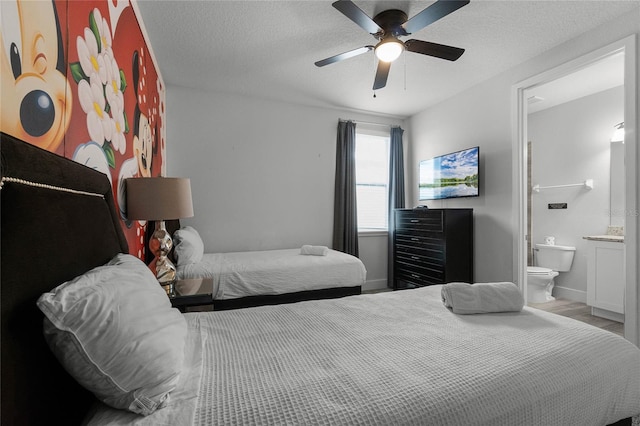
369 123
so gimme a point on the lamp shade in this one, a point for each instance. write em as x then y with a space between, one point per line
159 198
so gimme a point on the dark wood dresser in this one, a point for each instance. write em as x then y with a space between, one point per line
432 246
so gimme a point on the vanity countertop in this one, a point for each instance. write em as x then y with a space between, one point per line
611 238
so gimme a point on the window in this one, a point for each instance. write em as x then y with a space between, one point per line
372 179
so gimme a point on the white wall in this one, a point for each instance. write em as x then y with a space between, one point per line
482 116
262 172
477 117
569 144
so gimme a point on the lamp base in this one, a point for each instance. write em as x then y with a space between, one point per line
160 245
169 288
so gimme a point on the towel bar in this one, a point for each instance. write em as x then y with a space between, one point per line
588 184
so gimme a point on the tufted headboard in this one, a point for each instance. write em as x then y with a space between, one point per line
49 235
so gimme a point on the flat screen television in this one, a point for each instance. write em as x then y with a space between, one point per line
451 175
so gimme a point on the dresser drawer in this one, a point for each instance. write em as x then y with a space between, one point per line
429 258
419 276
419 241
428 221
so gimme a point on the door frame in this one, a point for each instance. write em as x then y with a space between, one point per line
519 141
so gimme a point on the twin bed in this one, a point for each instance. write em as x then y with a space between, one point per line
389 358
255 278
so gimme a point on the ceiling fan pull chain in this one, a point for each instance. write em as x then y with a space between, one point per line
375 67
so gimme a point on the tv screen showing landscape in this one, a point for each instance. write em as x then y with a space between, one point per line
450 176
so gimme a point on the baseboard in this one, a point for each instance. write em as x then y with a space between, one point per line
570 294
603 313
374 285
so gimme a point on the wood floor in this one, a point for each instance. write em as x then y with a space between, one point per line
580 312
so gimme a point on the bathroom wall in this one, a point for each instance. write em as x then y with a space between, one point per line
569 144
616 202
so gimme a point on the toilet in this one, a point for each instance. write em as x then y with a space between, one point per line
550 261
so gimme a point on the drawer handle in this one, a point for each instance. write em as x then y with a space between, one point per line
415 276
415 258
415 220
415 239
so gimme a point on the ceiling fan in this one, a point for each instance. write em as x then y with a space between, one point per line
388 26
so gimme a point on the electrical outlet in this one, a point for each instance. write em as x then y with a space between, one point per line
557 206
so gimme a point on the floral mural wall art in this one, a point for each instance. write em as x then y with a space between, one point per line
101 86
86 87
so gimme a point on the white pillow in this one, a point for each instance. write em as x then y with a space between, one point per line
114 331
189 247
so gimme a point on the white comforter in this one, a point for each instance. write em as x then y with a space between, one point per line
400 358
275 272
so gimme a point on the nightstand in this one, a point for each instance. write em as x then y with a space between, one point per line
191 292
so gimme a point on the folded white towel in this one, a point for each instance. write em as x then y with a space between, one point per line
479 298
314 250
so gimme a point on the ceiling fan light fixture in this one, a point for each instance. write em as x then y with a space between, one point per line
389 49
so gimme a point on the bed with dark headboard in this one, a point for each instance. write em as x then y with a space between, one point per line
389 358
48 237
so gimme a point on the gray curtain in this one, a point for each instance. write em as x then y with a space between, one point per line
345 214
396 190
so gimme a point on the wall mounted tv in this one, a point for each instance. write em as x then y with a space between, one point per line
450 176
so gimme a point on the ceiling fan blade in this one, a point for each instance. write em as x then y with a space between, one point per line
381 75
353 12
431 14
442 51
343 56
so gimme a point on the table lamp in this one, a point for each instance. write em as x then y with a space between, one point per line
160 199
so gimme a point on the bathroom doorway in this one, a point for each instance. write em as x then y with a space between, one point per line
563 207
570 122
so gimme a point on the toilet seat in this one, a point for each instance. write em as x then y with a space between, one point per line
538 270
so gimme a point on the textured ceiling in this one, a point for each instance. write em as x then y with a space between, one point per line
267 49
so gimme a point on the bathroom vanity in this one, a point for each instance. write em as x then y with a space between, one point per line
605 276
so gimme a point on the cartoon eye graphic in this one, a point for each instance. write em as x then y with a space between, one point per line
16 63
37 113
143 158
12 35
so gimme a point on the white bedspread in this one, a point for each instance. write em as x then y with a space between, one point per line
275 272
403 358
